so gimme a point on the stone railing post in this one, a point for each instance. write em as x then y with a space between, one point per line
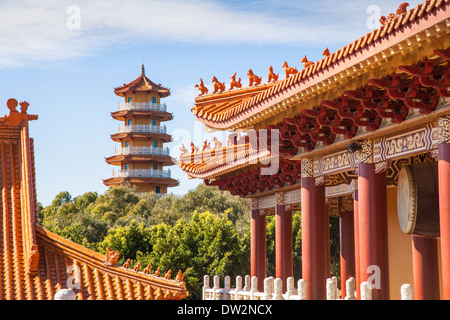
268 288
366 291
290 287
226 288
334 278
350 287
254 287
302 289
216 287
331 289
247 283
278 289
205 286
407 292
238 288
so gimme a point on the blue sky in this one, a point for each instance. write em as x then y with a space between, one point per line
66 57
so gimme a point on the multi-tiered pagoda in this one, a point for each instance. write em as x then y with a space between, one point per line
141 155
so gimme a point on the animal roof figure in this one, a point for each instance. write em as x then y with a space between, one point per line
253 79
289 70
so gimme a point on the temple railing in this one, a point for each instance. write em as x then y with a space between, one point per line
144 173
142 106
142 150
142 128
273 289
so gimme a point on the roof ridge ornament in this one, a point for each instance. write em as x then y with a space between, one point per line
217 85
289 70
253 79
202 87
142 70
400 11
272 76
306 63
15 117
234 83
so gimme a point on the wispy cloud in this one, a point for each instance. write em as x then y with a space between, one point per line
46 30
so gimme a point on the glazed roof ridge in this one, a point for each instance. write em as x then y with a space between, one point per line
213 120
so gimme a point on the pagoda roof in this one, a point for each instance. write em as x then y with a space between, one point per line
329 73
37 263
142 84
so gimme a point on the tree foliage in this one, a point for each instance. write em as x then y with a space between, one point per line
203 232
206 231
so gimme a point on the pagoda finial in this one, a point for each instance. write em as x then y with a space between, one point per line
142 70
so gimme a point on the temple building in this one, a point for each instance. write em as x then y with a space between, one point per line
36 264
363 136
141 155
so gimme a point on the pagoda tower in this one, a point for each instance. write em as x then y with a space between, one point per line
141 155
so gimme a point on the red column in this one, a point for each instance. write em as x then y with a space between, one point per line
356 231
283 242
258 247
381 234
373 230
444 202
425 268
314 241
347 249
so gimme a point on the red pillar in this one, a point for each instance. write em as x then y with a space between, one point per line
258 247
356 237
347 249
425 268
283 243
381 230
314 241
373 231
444 202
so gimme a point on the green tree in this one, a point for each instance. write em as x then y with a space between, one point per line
129 240
207 244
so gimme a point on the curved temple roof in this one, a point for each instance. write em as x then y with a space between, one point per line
34 262
387 77
228 110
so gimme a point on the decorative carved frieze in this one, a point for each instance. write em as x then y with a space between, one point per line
293 196
279 196
365 155
402 145
267 202
347 203
319 181
338 190
307 168
339 205
254 203
444 129
337 162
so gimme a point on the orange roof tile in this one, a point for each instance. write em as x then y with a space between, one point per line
36 263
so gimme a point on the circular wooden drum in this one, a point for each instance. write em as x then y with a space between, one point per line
418 199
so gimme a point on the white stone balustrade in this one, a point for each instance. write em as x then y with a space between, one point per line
273 289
